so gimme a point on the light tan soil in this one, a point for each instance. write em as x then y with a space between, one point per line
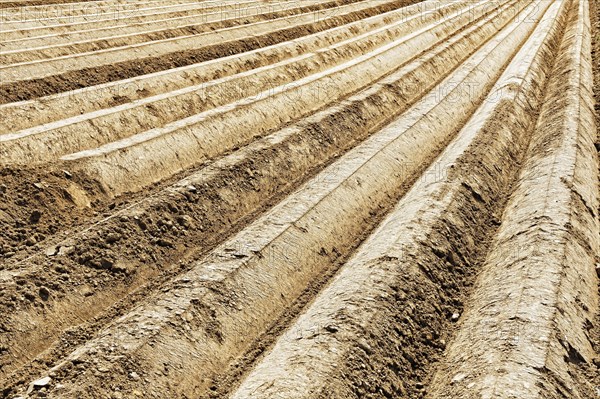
592 372
328 199
92 76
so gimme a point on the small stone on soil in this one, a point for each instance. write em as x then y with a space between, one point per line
331 328
42 382
66 250
29 296
112 238
52 251
87 291
364 345
164 243
44 293
455 316
185 221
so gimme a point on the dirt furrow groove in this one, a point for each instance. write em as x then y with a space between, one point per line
18 70
84 75
594 370
528 336
40 143
375 330
206 20
44 48
190 141
228 287
22 115
269 160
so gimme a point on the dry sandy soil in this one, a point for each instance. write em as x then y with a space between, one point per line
299 199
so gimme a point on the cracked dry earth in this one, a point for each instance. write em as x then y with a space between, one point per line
299 199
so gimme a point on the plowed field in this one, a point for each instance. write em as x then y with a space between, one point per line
299 199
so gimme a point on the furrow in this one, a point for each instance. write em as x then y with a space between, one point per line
527 336
378 326
188 142
81 132
87 76
20 26
210 314
275 161
204 19
25 114
59 63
